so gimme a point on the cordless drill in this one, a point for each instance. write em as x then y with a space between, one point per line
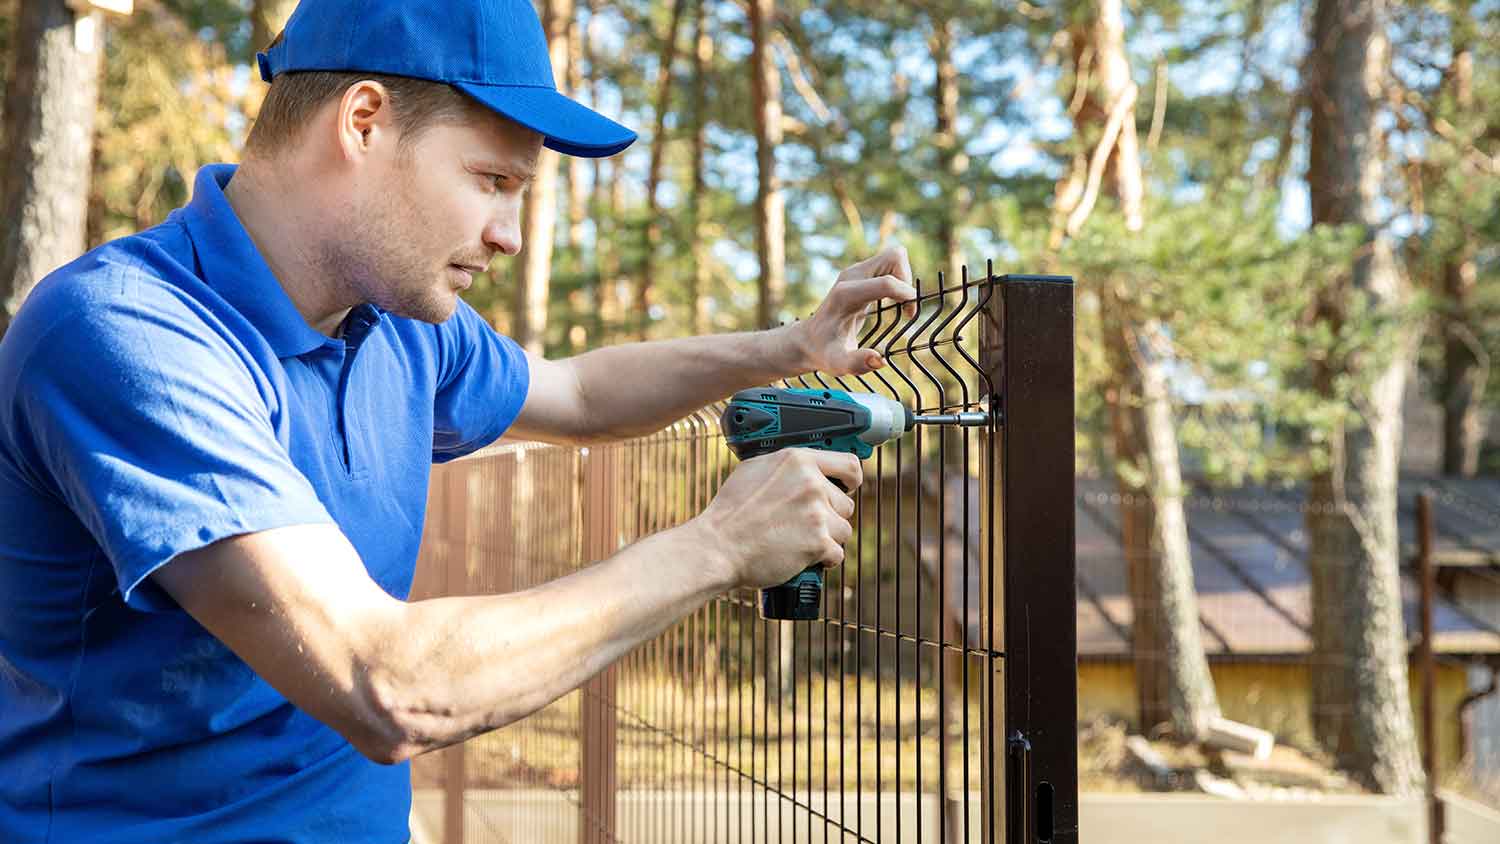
766 419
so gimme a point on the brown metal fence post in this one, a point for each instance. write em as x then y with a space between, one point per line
1030 363
1429 669
990 672
599 728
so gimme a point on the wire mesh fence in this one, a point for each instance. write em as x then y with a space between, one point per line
900 715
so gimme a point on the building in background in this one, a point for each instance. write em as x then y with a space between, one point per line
1254 599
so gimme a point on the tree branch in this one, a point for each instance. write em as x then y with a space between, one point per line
1117 115
802 84
1081 83
1159 107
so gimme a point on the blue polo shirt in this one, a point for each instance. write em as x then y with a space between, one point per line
157 394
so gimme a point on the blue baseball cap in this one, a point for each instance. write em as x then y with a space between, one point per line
493 50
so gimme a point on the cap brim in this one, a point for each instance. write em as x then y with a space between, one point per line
568 127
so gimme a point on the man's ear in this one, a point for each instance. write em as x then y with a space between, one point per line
363 120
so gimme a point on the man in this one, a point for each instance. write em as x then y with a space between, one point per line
216 436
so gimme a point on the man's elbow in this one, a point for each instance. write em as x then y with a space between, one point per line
382 738
394 721
384 724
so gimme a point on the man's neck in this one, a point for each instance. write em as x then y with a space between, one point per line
280 229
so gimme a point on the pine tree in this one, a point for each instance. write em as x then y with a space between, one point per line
1361 708
1173 683
770 212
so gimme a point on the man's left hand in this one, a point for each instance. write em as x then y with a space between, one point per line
830 337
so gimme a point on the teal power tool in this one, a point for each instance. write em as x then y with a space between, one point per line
767 419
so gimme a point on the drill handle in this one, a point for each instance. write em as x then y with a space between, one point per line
801 598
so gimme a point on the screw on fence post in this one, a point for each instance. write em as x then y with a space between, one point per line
1429 669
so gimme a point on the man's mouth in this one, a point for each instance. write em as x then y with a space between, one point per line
467 272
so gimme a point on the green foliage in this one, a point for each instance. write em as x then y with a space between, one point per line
167 106
1219 262
1232 292
219 22
1459 215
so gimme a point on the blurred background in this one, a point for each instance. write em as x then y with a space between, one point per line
1283 217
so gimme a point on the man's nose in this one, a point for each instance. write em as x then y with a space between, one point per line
504 233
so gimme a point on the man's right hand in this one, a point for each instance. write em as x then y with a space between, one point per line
779 513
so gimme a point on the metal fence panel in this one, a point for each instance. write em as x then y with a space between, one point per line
902 715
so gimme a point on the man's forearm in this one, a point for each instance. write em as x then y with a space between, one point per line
452 668
643 387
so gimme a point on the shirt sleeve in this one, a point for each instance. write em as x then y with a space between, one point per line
151 428
482 384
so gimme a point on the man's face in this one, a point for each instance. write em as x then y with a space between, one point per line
444 204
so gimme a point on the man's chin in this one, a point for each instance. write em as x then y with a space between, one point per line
433 311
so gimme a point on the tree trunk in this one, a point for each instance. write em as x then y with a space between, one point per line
652 231
1464 378
605 264
267 17
581 334
951 164
50 100
578 193
770 212
611 296
1173 683
1361 710
539 213
703 51
1172 680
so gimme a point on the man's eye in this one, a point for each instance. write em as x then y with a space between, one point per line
497 180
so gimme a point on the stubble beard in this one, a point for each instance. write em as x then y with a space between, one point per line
370 262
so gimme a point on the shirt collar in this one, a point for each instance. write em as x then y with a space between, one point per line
234 267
